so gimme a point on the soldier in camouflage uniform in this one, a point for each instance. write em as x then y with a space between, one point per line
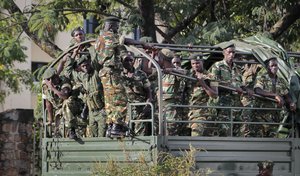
92 93
138 90
173 88
109 46
199 93
229 74
54 97
268 84
108 51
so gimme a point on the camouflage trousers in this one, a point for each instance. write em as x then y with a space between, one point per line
228 114
115 98
267 130
174 113
97 123
140 113
201 129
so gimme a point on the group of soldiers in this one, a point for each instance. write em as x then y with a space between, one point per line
93 85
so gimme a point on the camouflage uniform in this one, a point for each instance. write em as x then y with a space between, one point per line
198 97
108 52
229 77
264 82
93 97
173 87
135 87
59 105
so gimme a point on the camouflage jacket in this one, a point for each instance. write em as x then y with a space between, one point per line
264 82
136 86
231 77
173 87
197 95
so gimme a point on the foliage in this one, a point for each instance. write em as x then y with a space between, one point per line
11 53
168 165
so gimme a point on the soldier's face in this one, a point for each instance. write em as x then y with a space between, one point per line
229 54
197 65
113 26
79 36
176 62
66 91
85 67
128 62
273 67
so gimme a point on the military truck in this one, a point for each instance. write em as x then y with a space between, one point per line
228 156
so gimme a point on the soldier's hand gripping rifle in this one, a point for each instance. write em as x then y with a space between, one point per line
220 85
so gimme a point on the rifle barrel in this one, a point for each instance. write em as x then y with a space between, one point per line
222 86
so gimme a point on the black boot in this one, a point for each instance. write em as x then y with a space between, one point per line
72 133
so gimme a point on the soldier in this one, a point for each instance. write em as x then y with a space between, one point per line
138 90
176 61
229 74
268 84
54 96
173 88
109 46
199 95
92 94
265 168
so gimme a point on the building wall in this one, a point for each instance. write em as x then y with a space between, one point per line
26 99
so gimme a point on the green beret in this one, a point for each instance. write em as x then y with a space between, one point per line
82 59
111 19
146 39
227 45
196 56
49 73
168 53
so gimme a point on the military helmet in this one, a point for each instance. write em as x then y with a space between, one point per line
49 73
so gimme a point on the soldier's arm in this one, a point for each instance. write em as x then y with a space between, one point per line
60 94
278 98
49 108
289 101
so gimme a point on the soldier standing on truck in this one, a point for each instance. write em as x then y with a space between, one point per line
199 93
138 90
269 84
229 74
92 94
109 46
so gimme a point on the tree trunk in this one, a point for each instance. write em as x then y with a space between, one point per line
146 8
286 21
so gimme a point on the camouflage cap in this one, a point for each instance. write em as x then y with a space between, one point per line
111 19
146 39
196 56
49 73
227 45
266 62
82 59
168 53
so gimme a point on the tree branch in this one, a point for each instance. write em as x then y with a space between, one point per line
186 21
286 21
46 45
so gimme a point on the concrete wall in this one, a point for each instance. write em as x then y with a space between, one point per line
16 142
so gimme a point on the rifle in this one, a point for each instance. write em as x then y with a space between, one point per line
221 85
